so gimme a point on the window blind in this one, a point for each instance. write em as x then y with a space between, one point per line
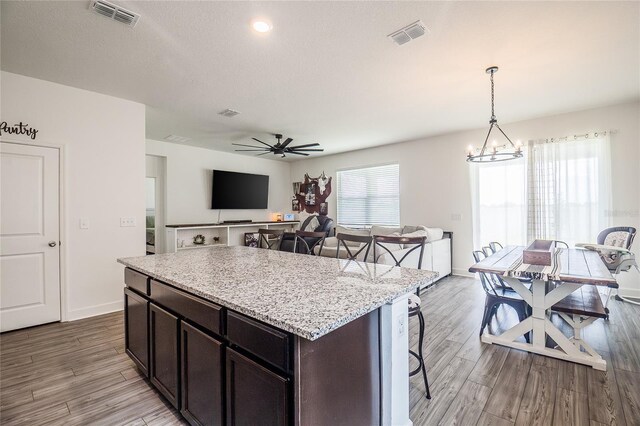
369 196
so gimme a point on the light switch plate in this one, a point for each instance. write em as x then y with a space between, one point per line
127 222
84 223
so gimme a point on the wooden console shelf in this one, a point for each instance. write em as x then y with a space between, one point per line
180 237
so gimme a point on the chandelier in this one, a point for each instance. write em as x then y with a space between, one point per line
495 152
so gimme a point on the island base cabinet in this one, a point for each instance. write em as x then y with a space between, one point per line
164 371
136 322
201 377
255 394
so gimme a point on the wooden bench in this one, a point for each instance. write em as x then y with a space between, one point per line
585 301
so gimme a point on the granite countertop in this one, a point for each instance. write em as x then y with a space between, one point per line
306 295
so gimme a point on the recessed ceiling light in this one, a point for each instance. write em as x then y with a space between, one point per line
261 26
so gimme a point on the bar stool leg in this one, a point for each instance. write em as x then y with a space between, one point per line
420 342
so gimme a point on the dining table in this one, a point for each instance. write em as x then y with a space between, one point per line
541 287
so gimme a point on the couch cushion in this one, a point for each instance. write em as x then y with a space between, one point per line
385 230
407 229
434 234
351 231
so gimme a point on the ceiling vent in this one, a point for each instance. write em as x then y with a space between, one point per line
228 113
114 12
408 33
176 139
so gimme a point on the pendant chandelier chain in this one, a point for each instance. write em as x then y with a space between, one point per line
493 114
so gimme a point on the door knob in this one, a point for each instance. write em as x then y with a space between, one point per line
52 244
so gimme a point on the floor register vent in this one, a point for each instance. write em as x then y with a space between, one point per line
115 12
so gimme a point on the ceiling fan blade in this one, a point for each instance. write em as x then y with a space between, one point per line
305 150
260 149
286 142
263 143
297 153
250 146
266 152
305 146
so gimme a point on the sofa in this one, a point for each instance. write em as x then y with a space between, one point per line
436 256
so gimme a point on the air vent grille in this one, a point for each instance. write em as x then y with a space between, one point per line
228 113
114 12
408 33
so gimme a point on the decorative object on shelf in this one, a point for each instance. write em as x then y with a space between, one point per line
289 217
324 209
251 239
495 152
311 194
281 148
198 239
279 217
216 240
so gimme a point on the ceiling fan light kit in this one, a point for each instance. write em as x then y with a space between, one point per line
486 154
280 148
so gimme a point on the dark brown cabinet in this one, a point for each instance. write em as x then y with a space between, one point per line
164 365
255 394
202 375
136 323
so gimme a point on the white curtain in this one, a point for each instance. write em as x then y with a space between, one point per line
499 206
559 190
569 194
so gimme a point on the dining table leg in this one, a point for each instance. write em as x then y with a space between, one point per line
541 300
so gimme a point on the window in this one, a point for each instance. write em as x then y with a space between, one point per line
369 196
559 191
499 208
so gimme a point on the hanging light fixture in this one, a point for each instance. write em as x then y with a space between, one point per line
495 152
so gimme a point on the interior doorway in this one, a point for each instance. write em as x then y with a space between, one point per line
155 183
29 235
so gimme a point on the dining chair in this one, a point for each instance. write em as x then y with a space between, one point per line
364 244
308 241
497 295
413 244
276 241
495 246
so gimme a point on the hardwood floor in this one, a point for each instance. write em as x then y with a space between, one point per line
77 372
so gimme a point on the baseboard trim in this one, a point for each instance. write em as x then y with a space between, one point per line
92 311
463 273
629 292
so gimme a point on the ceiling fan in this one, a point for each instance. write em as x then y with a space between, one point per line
280 148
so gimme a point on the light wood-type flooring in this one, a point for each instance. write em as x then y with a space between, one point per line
77 372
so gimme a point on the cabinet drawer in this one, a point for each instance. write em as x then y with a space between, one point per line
266 342
136 281
203 313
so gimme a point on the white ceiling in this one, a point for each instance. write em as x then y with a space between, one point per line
327 73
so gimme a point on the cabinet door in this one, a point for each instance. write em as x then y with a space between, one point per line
201 376
136 329
164 369
255 395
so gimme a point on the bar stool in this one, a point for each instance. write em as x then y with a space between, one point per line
309 240
263 238
414 300
364 244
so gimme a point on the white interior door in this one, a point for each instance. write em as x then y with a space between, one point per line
29 236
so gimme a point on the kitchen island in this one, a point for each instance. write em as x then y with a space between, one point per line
238 335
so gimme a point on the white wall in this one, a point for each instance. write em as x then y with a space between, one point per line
434 176
103 144
189 178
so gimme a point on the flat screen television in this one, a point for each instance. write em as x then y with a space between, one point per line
231 190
